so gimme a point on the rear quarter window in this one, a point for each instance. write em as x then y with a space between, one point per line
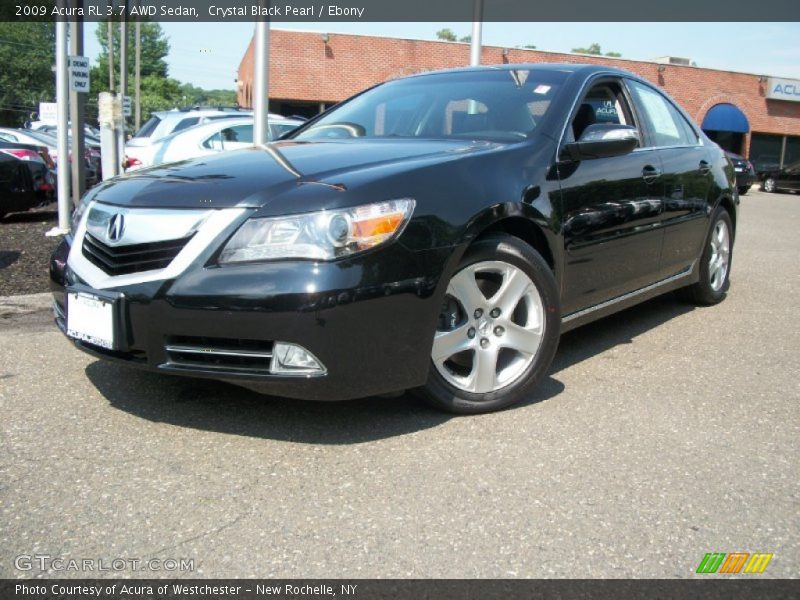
148 128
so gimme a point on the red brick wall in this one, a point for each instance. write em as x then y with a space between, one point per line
303 67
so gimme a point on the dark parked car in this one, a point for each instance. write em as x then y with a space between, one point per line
437 232
786 179
26 179
765 163
745 173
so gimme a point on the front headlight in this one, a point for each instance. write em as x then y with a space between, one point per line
322 235
77 215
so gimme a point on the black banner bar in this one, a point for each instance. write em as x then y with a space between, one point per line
394 589
446 11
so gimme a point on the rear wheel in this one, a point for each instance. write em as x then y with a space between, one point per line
715 263
768 185
743 190
498 329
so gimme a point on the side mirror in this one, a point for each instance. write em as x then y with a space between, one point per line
602 140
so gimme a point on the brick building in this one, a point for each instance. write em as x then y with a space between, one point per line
309 71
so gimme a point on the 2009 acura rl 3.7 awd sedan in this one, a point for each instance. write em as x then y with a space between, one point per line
437 232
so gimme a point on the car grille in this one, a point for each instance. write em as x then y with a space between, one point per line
122 260
219 354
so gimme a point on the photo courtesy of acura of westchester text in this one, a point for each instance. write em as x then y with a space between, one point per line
376 300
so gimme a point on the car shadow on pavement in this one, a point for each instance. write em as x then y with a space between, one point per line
216 406
225 408
620 328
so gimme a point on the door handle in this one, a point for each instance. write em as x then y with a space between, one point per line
705 167
650 173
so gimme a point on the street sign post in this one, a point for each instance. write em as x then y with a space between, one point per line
79 74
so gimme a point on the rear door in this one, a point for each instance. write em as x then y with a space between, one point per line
687 178
611 208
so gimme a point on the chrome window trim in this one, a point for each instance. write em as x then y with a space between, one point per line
211 223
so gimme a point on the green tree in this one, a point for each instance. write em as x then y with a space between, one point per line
158 90
154 51
595 49
198 96
447 35
27 53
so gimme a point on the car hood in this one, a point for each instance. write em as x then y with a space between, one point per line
251 177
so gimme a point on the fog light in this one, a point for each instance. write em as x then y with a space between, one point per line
290 359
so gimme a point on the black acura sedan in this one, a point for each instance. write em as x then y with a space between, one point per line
435 233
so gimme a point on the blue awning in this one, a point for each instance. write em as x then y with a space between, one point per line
726 117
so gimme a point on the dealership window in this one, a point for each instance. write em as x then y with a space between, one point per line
791 153
765 151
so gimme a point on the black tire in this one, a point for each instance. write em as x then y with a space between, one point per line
743 190
441 394
703 292
768 185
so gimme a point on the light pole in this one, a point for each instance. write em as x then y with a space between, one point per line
261 83
475 44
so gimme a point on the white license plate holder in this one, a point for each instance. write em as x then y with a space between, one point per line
91 318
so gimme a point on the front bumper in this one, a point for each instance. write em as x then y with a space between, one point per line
369 320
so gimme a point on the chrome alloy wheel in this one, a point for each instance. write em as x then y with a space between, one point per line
769 185
490 328
720 255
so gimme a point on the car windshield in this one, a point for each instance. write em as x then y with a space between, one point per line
498 105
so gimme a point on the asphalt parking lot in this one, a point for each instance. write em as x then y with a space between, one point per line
663 433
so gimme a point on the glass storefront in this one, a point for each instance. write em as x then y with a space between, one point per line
769 152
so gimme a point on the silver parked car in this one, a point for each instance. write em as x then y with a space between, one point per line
200 140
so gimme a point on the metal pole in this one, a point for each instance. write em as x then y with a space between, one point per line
261 83
62 101
475 45
110 56
137 82
77 102
123 77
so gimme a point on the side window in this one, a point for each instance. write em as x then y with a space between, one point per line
278 129
667 126
604 103
214 142
241 133
186 123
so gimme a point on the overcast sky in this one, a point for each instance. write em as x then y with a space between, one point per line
208 54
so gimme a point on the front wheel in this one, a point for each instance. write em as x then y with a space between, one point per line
744 189
498 329
769 185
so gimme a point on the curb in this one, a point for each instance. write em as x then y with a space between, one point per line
24 304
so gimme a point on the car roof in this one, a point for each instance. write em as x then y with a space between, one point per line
198 112
562 67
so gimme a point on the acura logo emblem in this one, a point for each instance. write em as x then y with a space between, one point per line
116 227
